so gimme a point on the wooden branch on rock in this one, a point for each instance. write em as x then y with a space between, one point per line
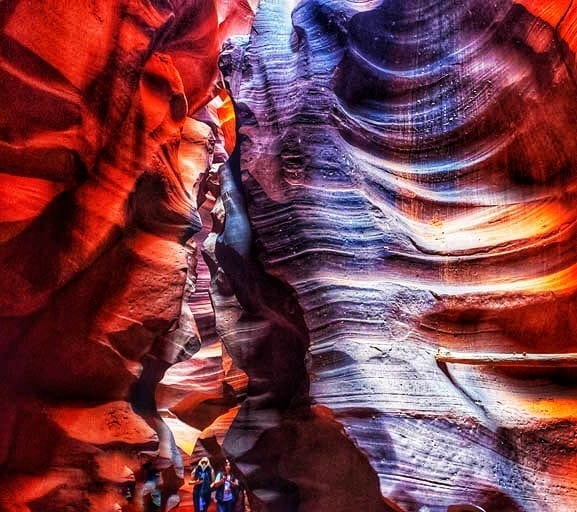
566 360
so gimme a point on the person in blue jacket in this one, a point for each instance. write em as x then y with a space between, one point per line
201 477
227 487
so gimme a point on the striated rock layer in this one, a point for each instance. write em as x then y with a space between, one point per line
409 170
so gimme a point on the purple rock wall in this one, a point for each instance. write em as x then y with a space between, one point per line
409 176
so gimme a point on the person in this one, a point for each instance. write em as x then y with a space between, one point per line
226 486
201 477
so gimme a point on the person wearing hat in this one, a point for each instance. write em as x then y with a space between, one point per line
201 477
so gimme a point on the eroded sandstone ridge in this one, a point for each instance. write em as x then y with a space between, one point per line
409 170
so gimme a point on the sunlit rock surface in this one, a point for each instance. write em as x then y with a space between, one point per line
97 209
409 170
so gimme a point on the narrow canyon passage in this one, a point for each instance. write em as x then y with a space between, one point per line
248 230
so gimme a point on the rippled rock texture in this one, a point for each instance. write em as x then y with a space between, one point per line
101 166
409 169
404 182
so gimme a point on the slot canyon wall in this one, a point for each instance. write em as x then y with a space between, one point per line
111 120
399 180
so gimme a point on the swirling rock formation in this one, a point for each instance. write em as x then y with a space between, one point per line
404 182
97 205
409 175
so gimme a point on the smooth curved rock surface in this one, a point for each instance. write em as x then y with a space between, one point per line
409 176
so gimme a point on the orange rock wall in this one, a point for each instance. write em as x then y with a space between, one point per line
97 204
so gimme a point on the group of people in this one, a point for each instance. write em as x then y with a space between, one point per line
224 485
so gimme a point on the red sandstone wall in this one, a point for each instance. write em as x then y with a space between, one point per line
101 167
